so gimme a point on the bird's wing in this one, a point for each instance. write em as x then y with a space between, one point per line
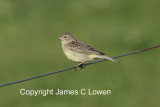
94 51
82 48
77 46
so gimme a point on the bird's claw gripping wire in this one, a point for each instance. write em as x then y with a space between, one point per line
79 66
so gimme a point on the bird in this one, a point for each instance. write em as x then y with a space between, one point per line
78 51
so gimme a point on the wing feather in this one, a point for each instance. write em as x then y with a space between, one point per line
82 48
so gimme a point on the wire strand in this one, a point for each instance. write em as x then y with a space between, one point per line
66 69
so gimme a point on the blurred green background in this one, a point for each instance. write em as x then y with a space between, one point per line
29 46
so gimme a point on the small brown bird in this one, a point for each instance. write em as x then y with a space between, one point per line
78 51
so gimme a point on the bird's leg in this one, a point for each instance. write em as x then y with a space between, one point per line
79 65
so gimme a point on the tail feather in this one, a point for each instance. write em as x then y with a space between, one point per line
109 58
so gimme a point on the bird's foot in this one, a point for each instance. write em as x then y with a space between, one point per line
79 66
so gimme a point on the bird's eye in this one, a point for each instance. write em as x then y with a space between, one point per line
65 37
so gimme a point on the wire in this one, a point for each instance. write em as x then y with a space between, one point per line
66 69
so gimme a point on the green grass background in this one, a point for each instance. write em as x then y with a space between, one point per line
29 46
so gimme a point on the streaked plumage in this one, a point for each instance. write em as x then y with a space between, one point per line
78 51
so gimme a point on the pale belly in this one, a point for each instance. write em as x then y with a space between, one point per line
77 57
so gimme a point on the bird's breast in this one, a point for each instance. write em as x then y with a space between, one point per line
76 56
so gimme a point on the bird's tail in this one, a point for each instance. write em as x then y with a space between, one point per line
109 58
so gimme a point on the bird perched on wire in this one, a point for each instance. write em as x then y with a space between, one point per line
78 51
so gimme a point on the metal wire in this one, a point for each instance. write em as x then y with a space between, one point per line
66 69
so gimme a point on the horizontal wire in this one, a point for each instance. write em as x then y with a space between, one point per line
66 69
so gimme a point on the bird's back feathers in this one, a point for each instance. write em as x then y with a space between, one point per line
81 47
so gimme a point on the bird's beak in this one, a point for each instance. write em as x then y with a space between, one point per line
60 38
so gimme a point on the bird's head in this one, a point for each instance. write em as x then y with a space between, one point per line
66 38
